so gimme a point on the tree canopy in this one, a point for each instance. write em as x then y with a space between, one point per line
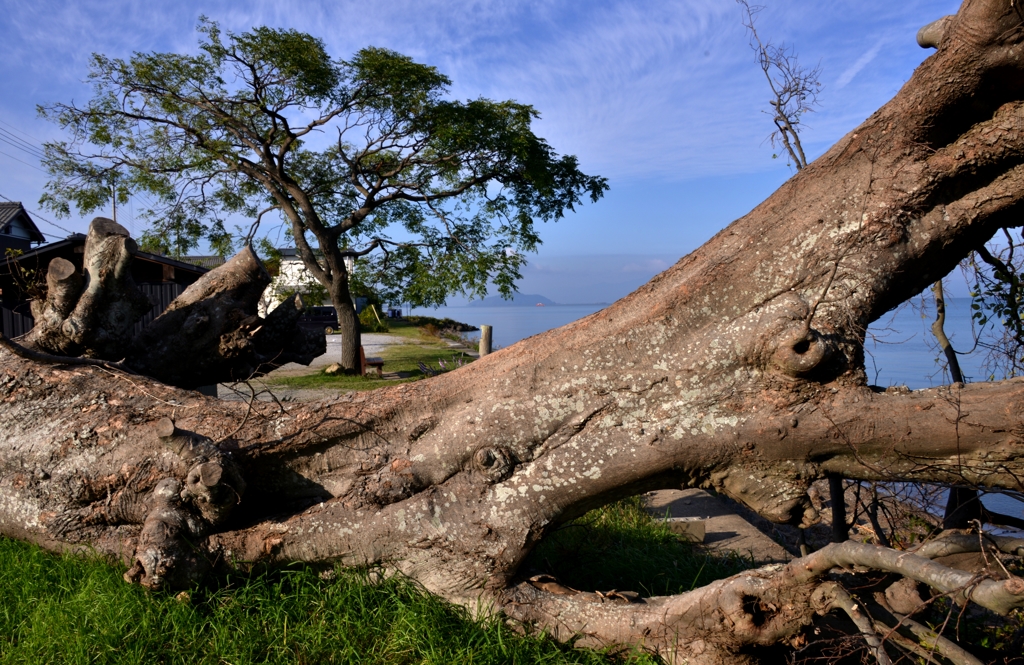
366 157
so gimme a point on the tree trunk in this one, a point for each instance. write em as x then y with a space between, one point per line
739 369
348 323
91 314
963 504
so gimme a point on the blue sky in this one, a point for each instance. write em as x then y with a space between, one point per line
664 99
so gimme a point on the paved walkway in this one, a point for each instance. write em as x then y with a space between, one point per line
373 345
724 529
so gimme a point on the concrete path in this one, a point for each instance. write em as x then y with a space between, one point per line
724 529
373 345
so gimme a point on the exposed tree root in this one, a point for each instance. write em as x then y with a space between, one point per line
755 608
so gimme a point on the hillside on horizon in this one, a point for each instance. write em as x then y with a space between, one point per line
517 300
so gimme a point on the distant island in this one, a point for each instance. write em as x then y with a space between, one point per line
518 300
523 300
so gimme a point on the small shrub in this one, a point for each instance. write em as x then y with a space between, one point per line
441 324
368 322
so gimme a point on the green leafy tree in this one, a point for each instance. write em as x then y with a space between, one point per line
362 158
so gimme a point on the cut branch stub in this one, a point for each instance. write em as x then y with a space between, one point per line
215 324
930 35
800 351
189 447
214 484
91 315
214 488
63 285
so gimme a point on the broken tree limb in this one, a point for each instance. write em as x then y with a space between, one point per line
834 596
209 334
215 325
91 314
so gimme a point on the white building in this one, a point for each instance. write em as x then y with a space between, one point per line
292 278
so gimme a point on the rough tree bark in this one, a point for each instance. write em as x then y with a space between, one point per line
740 369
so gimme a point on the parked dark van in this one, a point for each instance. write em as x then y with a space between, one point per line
320 318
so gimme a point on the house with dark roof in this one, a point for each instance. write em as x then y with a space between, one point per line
17 230
208 262
161 278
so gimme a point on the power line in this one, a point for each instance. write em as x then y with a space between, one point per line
35 151
7 124
22 162
20 144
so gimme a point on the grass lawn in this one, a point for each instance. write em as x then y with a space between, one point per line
401 358
403 328
71 609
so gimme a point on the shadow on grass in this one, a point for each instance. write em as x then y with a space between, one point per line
620 546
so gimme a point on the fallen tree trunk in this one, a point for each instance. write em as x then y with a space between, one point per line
208 334
740 369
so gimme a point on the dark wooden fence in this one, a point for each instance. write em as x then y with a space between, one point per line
14 322
18 320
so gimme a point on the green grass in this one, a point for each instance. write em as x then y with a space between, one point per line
70 609
621 547
401 358
73 609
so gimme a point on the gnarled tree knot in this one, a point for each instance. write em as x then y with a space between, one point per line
494 462
180 513
213 484
213 489
164 556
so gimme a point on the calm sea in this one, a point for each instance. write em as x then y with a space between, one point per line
513 323
900 348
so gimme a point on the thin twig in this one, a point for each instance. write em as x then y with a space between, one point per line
841 599
248 411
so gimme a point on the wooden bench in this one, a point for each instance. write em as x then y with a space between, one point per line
376 365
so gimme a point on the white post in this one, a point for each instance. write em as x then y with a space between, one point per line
485 340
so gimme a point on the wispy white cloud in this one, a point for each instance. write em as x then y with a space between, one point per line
642 92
